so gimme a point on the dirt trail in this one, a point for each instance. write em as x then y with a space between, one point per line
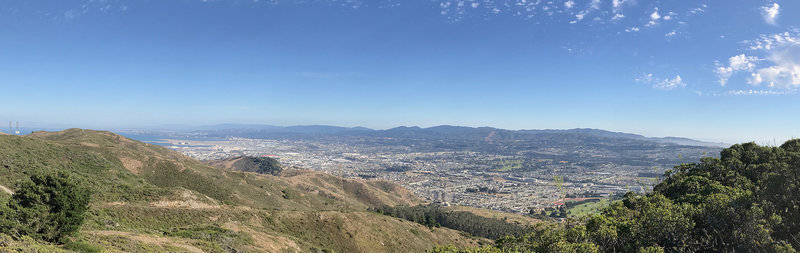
5 189
161 241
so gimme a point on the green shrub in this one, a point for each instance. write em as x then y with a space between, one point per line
212 237
83 247
49 206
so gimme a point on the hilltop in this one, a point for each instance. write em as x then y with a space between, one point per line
149 198
261 165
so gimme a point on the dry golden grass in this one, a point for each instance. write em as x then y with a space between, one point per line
298 210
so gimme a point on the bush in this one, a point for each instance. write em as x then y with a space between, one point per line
49 206
83 247
216 239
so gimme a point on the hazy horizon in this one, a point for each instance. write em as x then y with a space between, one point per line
35 126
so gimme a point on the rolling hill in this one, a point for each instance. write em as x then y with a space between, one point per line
261 165
148 198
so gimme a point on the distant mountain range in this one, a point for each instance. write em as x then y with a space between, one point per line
436 132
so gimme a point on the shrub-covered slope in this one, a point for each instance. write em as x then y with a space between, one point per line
748 200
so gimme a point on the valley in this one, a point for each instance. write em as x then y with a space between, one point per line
503 170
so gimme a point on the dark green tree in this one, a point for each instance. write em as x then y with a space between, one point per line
49 206
747 200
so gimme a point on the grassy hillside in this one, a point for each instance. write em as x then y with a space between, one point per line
148 198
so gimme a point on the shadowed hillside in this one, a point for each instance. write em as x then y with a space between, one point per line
260 165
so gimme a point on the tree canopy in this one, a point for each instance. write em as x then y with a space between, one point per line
745 201
49 206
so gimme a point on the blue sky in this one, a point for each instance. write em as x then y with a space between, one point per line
713 70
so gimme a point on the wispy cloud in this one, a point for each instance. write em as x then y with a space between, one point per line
90 6
595 4
758 92
698 10
632 29
775 41
595 11
770 13
776 62
617 4
662 84
655 17
74 13
747 92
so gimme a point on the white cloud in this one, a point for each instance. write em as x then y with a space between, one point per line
743 62
755 78
757 92
616 7
723 73
595 4
617 3
769 42
669 15
670 34
655 16
698 10
645 78
783 57
669 84
569 4
740 62
784 71
770 13
778 66
581 15
662 84
632 29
